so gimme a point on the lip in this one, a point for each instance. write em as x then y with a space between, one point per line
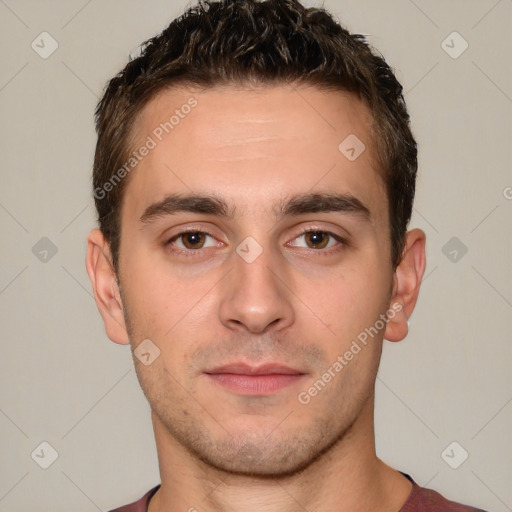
263 380
246 369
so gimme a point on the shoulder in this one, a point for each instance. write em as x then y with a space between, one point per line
428 500
141 505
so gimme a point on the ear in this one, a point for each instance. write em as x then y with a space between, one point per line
106 290
407 282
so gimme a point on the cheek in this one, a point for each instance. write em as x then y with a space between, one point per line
352 301
148 299
162 305
355 290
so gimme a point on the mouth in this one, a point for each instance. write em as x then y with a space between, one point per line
244 379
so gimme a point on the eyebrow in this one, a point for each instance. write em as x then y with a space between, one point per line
293 206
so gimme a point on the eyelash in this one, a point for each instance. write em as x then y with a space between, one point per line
191 253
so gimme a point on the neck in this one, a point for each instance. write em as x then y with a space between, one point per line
347 477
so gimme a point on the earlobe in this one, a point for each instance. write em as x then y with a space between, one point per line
407 282
106 290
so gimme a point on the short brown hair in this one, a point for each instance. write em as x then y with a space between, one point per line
256 42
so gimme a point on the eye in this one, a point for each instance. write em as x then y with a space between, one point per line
317 239
191 240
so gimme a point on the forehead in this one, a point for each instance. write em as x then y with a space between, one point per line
247 144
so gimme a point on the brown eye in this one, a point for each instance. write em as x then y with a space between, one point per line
191 243
193 239
323 241
317 239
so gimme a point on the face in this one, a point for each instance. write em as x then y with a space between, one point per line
282 259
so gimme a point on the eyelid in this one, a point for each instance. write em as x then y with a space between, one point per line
188 229
185 231
339 238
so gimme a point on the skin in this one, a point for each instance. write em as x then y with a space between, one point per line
296 303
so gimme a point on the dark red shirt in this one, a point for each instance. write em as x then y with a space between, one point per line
420 500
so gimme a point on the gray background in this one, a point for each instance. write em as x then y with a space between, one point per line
65 383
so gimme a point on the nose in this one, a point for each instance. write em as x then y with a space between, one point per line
255 296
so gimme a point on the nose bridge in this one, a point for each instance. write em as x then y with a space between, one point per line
254 296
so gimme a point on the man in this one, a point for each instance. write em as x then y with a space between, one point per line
254 177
